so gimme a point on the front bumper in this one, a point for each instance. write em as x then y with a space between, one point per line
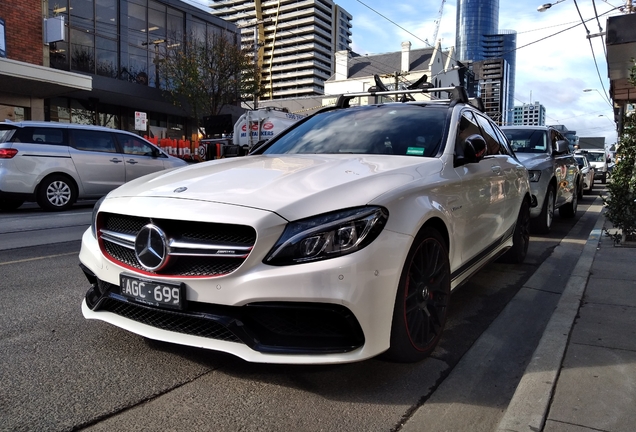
331 311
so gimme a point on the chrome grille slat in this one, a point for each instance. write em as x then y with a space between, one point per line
195 248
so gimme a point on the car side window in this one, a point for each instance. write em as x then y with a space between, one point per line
134 146
54 136
503 141
467 127
489 134
90 140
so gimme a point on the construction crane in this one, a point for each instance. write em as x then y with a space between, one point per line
438 21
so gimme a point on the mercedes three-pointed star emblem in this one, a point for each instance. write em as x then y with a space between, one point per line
151 247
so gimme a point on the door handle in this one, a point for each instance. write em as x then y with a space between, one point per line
132 161
115 160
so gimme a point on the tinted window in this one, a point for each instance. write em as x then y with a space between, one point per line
40 135
412 130
505 145
89 140
527 140
492 142
134 146
467 126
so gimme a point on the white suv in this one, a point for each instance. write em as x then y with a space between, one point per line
335 241
57 163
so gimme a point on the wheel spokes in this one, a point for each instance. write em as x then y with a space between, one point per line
426 293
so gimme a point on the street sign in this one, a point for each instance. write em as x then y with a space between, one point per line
141 122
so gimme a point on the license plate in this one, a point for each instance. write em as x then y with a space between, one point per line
152 292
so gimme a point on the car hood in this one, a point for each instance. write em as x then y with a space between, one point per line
531 160
294 186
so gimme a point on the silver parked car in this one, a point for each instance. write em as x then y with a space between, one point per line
555 177
587 173
57 163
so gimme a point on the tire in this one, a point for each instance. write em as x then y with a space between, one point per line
569 210
8 204
604 178
56 193
579 189
421 304
521 237
542 223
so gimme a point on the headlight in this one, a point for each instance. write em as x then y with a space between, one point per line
328 236
534 175
94 216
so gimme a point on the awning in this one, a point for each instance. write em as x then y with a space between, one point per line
26 79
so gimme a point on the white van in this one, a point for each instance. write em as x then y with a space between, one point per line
56 164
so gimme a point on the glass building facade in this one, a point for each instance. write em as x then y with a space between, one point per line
118 43
475 19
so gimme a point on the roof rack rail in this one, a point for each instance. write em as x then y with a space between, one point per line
457 94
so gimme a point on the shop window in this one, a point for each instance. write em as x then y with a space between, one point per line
82 113
13 113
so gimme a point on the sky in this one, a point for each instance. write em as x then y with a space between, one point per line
552 69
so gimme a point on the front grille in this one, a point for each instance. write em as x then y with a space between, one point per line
198 243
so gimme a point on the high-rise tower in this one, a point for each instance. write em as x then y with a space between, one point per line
475 19
478 40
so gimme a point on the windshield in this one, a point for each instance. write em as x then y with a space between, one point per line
528 140
595 156
580 160
6 134
397 129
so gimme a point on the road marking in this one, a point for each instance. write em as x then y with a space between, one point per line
37 258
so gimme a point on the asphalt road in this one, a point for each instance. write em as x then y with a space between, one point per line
62 372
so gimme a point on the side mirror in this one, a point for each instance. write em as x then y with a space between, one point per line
472 150
561 146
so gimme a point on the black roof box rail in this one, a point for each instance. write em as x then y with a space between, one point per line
457 94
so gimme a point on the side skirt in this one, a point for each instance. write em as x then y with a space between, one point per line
462 274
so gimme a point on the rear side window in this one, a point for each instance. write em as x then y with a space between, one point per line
6 134
134 146
54 136
89 140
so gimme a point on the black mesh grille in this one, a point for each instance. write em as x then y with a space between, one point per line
265 327
168 320
125 224
205 233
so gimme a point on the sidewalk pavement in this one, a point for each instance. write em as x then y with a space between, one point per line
582 375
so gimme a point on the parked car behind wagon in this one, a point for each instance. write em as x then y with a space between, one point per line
555 177
56 164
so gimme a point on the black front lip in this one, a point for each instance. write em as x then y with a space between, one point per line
269 327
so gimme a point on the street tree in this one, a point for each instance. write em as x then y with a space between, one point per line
621 203
202 75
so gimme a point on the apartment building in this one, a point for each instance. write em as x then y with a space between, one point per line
296 41
529 115
494 81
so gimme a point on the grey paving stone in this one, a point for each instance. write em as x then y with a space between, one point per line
606 326
552 426
611 291
596 389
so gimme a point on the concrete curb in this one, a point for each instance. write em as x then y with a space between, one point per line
528 408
